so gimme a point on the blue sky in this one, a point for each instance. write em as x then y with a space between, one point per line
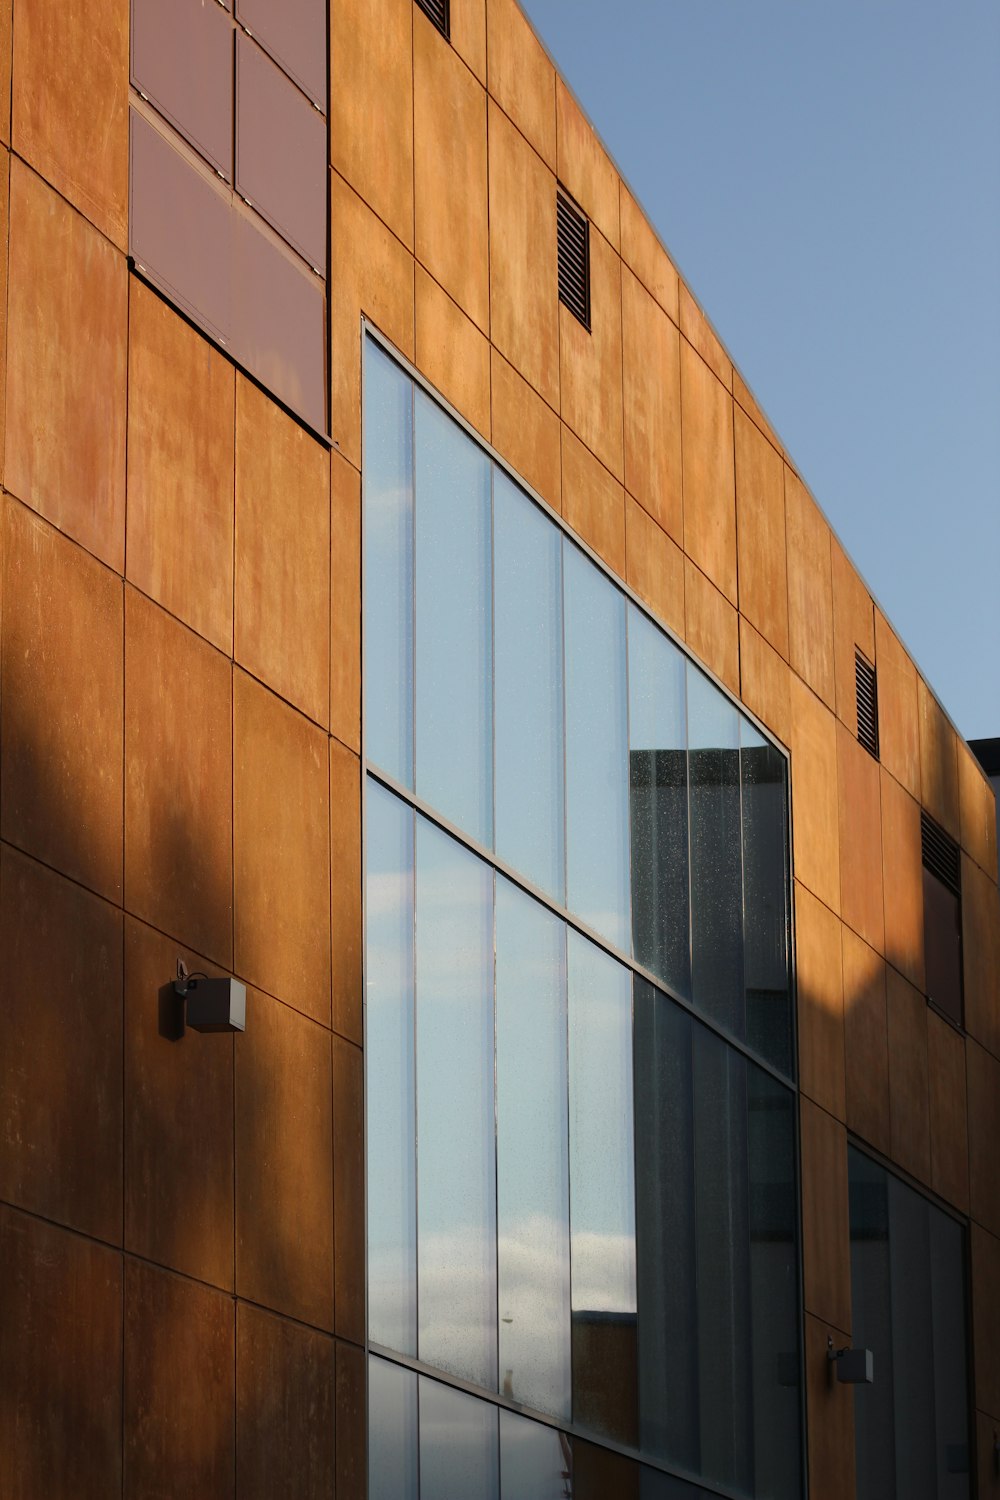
827 178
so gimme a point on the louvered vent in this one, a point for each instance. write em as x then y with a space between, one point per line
864 676
940 854
439 13
574 259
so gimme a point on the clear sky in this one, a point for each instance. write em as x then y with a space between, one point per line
826 176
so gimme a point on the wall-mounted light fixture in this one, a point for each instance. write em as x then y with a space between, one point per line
853 1366
212 1004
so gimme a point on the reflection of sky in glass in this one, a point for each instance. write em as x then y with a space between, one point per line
392 1432
657 712
459 1457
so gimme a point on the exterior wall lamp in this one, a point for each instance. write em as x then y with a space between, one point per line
854 1366
212 1004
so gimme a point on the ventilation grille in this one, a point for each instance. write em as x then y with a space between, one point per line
574 260
438 12
940 854
864 676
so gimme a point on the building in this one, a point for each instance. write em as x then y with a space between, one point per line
987 752
680 888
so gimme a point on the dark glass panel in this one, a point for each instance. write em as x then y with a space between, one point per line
765 899
182 59
281 152
912 1350
393 1472
943 946
874 1446
599 1474
294 33
948 1322
180 229
279 323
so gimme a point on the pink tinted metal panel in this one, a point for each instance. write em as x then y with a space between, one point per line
279 322
182 60
294 32
180 229
280 153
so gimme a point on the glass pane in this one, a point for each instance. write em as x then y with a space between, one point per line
874 1446
716 865
765 898
912 1354
530 802
294 33
388 477
454 744
459 1448
535 1461
532 1154
948 1322
392 1432
597 863
392 1211
456 1194
602 1192
281 152
658 800
182 59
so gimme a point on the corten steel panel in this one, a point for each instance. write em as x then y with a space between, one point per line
178 780
60 1362
294 33
987 1433
810 590
69 108
985 1263
284 1164
345 849
281 164
60 1050
709 475
4 245
179 1100
815 813
6 8
282 850
697 330
182 59
181 441
948 1112
866 1042
180 230
977 808
593 502
981 956
826 1256
352 1427
374 276
345 602
765 683
526 430
860 839
349 1190
452 353
179 1387
654 565
829 1416
279 322
853 626
938 761
585 168
282 553
760 517
746 399
285 1408
643 253
711 626
983 1072
524 308
61 760
821 1003
521 78
67 329
451 231
899 732
651 379
371 107
909 1096
902 880
468 34
590 364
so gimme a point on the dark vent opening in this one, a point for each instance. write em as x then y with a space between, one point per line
864 676
574 259
940 854
438 11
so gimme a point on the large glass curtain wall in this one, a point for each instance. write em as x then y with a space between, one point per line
582 1186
